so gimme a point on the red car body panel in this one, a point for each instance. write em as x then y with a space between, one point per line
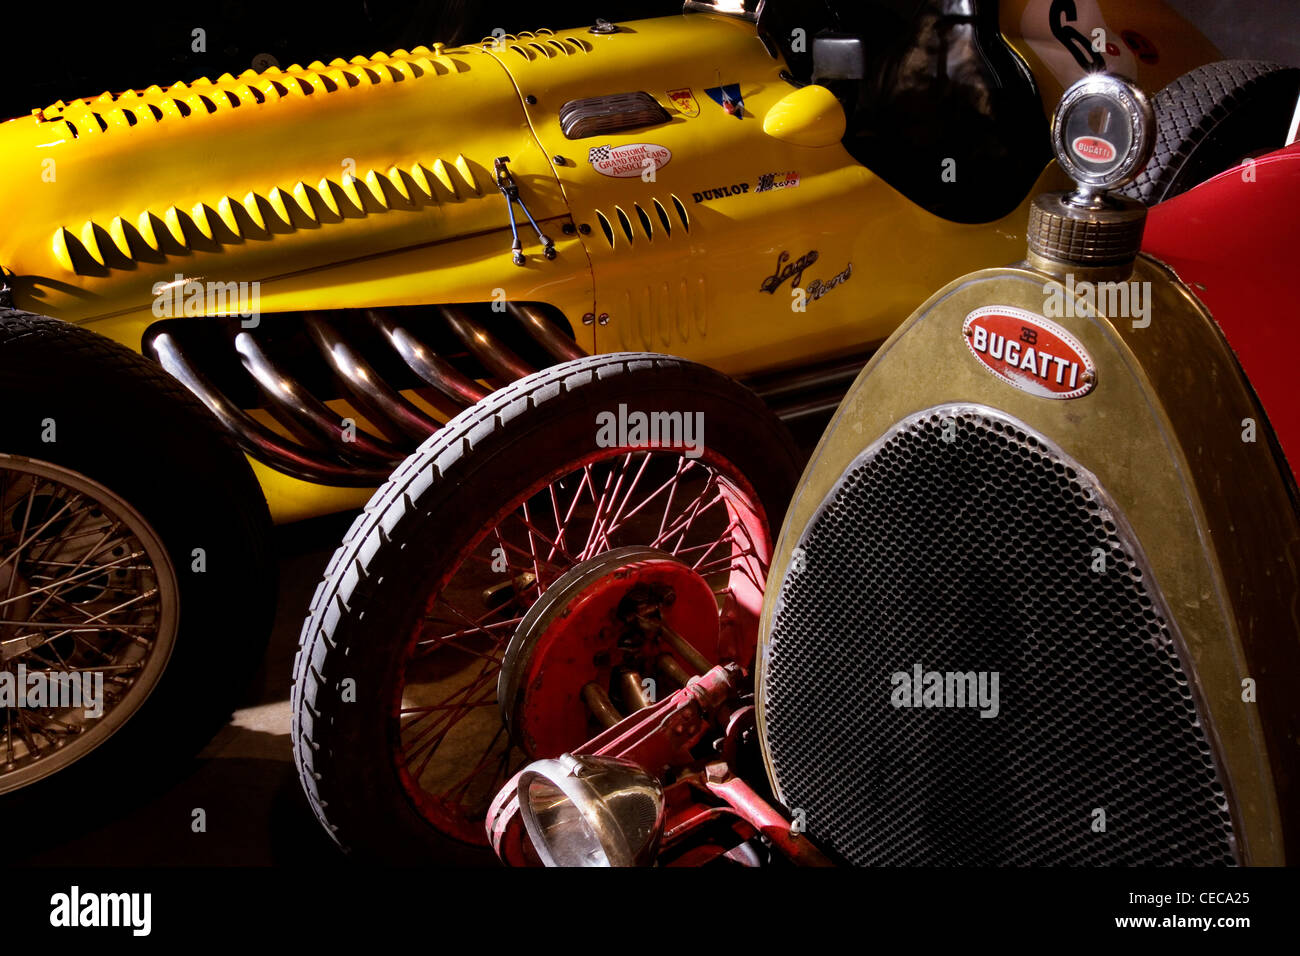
1232 241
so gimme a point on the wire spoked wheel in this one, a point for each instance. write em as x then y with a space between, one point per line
134 554
454 753
88 616
398 730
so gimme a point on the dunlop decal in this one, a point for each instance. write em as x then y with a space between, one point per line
721 192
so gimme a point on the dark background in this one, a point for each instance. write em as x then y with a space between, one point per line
113 47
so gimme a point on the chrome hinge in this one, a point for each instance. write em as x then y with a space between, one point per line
510 189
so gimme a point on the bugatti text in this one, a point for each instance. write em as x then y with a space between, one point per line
1037 362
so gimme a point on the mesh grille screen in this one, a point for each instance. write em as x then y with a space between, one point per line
977 555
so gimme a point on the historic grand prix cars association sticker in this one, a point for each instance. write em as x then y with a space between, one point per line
1029 352
629 160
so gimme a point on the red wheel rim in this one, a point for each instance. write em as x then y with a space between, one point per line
449 744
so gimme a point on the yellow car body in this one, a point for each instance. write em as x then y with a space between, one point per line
370 183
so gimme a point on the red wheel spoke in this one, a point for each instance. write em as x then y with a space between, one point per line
449 642
683 465
448 719
532 541
507 547
614 523
532 531
585 482
477 624
708 547
438 707
597 522
686 520
458 789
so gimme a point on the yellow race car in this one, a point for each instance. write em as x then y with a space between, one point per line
336 259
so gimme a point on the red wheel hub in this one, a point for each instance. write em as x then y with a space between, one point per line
587 651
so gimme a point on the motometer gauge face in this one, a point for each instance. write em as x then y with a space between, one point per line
1103 131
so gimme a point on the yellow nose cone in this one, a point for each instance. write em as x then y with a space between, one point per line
809 116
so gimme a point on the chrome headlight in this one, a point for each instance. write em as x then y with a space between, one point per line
591 811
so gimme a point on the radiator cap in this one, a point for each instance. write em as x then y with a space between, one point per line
1103 131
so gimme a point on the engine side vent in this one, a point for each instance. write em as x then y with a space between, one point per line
663 217
644 220
963 543
681 214
605 227
626 223
646 227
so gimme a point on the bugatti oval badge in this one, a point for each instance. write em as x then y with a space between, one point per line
629 160
1029 352
1094 149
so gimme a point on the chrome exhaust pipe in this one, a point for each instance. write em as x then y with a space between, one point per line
557 345
323 449
499 360
310 419
383 405
254 438
427 364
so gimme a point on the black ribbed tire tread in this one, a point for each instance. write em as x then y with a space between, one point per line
1192 107
368 536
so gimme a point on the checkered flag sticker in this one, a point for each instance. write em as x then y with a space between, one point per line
597 154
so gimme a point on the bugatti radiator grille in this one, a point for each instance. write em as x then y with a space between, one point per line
958 549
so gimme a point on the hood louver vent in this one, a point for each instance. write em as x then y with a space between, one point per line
643 229
542 45
109 111
261 214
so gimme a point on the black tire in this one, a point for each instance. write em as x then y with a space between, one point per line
406 542
1211 118
118 419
